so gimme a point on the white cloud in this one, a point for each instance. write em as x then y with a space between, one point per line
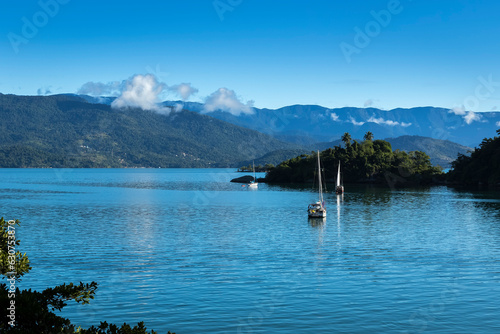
468 116
184 90
334 117
471 117
368 103
226 100
458 111
98 88
380 120
178 106
353 121
141 91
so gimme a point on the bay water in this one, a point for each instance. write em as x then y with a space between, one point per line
185 250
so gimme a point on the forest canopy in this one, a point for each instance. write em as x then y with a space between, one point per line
481 167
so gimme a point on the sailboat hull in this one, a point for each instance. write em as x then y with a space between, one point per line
253 185
316 210
317 214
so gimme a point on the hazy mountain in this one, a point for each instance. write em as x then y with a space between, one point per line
441 152
307 124
304 124
68 131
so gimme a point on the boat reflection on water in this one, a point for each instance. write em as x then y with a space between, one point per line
340 199
317 222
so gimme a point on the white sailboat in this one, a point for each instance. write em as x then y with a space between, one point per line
253 184
318 210
339 188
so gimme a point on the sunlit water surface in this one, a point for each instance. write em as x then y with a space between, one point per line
187 251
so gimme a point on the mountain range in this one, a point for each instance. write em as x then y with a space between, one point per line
83 131
308 124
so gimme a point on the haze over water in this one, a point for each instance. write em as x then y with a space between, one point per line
187 251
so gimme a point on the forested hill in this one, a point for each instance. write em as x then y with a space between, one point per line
67 131
367 161
481 168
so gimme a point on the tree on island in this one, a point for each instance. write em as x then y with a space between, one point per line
368 136
481 167
346 138
32 311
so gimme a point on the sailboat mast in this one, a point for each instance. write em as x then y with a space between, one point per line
338 176
319 181
253 167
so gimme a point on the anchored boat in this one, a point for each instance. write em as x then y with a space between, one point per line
253 184
318 209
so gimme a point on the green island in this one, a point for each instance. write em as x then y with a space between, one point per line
374 161
369 161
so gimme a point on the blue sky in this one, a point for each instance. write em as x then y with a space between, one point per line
274 53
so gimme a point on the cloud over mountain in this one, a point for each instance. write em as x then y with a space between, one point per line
468 116
184 90
98 88
353 121
368 103
141 91
389 122
226 100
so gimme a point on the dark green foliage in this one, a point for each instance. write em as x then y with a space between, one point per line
346 138
369 161
481 167
8 238
66 131
33 311
368 136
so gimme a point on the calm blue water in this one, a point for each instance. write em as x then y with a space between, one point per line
187 251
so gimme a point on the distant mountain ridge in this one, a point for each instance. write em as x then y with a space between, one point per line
72 130
303 124
307 124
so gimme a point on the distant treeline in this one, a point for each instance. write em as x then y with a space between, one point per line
258 168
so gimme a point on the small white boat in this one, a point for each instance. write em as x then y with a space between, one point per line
339 188
253 184
318 209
